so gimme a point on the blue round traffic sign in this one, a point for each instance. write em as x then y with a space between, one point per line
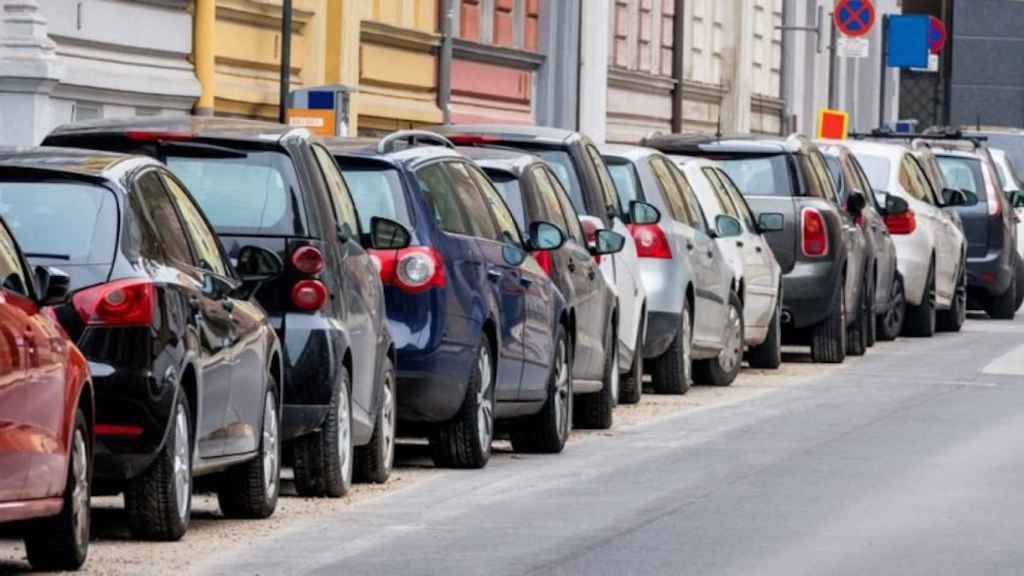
854 17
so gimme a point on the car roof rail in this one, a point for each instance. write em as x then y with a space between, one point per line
412 138
937 134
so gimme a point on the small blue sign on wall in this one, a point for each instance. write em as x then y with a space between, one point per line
907 41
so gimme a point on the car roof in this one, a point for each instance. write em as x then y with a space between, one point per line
513 161
516 132
88 164
892 152
366 149
626 151
684 160
197 126
742 144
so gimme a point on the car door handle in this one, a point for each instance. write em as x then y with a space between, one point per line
757 249
494 275
711 254
572 265
591 274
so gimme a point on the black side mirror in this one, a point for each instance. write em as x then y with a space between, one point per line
855 202
54 285
895 205
256 265
643 213
545 236
771 222
387 234
957 197
727 227
607 242
1017 199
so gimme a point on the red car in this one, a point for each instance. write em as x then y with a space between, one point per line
46 411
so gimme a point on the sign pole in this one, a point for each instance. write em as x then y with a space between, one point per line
286 60
884 54
832 88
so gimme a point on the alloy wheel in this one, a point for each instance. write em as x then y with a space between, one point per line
485 405
897 308
182 464
270 446
389 423
615 370
80 491
686 347
344 435
733 349
562 399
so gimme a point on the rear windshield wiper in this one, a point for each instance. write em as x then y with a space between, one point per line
199 150
47 255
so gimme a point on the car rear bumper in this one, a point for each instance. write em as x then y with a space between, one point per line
809 291
432 383
312 346
992 273
662 328
913 260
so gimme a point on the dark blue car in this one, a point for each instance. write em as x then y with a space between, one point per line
481 331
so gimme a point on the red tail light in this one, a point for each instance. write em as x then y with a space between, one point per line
120 303
309 295
471 139
650 241
814 240
901 224
413 270
157 136
544 259
590 234
308 260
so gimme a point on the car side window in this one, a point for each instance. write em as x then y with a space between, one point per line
742 208
863 181
669 189
697 218
824 177
434 184
344 209
548 199
572 220
13 276
154 229
204 241
720 193
467 194
504 222
917 173
608 191
910 180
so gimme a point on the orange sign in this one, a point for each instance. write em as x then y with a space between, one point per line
319 122
833 124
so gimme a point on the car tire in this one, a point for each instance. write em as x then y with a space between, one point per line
547 431
632 386
323 460
921 318
375 460
159 501
952 320
251 490
857 335
672 373
594 411
1018 270
465 440
61 542
1004 306
828 338
768 354
890 324
722 371
872 326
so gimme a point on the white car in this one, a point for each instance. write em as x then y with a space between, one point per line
757 273
930 246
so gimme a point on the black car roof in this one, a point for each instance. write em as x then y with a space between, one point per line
511 132
513 161
694 144
196 126
90 164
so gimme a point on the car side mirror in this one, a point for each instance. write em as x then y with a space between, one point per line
545 236
771 222
895 205
387 234
1017 199
513 254
856 202
607 242
727 227
643 213
54 285
256 265
957 197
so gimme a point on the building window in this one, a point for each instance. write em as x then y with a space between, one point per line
82 111
508 23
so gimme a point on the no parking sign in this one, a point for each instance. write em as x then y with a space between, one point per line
854 18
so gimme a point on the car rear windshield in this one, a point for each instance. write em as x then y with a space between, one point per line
759 175
1012 144
255 193
70 222
563 166
511 192
377 191
877 169
964 174
626 180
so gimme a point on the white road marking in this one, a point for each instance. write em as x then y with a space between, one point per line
1009 364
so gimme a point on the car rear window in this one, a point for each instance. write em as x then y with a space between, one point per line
877 168
626 180
508 186
377 191
964 174
251 195
72 223
759 175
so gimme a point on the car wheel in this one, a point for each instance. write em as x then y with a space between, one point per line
1018 269
952 320
62 541
632 388
251 490
547 431
768 354
921 318
159 501
828 340
857 335
672 372
323 460
722 371
1004 306
890 324
871 325
375 460
465 440
594 411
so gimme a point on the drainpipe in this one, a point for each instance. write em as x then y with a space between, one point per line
678 72
205 18
785 91
286 61
444 64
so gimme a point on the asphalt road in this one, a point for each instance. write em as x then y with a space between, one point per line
908 461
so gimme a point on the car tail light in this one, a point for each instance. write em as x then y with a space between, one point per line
814 240
120 303
309 295
413 270
901 224
858 219
544 260
308 260
590 234
995 206
651 241
471 139
158 136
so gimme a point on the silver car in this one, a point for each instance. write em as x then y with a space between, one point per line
757 273
694 312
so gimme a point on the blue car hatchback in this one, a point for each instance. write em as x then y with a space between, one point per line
480 330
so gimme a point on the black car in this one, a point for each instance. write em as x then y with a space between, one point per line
186 367
822 276
270 185
534 194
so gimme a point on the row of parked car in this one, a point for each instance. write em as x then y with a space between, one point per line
197 302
